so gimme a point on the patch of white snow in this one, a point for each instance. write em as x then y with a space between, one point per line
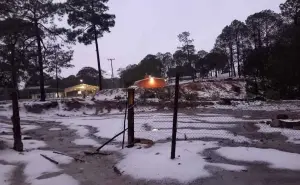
275 158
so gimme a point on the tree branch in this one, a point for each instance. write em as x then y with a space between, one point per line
53 33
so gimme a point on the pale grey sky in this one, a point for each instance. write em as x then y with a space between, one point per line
151 26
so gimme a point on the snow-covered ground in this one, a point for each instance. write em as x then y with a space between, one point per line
274 158
197 133
155 163
111 94
292 135
35 165
260 105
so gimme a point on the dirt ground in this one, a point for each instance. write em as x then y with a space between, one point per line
99 169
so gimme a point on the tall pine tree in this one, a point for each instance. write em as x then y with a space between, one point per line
90 20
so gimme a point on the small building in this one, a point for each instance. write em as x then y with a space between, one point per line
81 90
35 93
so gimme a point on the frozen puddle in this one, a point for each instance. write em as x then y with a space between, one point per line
155 164
275 158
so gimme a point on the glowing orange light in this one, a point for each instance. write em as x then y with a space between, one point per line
151 82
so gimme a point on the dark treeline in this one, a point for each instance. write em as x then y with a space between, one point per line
87 75
35 45
264 49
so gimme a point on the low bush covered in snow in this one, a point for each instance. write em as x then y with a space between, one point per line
38 107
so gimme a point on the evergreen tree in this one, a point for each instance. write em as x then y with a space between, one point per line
188 49
14 33
57 58
240 39
291 10
90 20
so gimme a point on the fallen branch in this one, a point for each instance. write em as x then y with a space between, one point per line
96 153
49 159
111 139
75 158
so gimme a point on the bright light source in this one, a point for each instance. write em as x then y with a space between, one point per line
79 92
151 80
81 80
155 130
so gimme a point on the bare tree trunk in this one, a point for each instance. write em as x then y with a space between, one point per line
256 83
40 61
229 68
18 145
238 56
267 36
98 58
232 62
56 81
296 22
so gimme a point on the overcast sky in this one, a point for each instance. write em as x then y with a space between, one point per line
151 26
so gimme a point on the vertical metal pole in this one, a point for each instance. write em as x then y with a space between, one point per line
174 130
130 117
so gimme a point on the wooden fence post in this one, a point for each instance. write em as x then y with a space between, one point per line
130 117
174 130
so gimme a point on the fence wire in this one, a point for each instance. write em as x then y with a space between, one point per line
228 126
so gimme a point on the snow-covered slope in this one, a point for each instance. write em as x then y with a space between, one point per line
202 90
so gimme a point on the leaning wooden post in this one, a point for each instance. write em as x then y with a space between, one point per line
174 130
130 117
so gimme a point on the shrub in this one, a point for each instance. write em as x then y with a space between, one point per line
191 96
273 95
147 94
39 107
215 96
118 97
225 101
236 89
